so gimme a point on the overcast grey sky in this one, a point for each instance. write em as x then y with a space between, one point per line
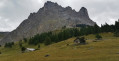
13 12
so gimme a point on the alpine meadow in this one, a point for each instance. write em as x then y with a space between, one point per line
57 32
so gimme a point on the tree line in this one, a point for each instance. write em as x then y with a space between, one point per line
104 28
50 37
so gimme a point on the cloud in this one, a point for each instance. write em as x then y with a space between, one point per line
5 25
13 12
2 3
16 11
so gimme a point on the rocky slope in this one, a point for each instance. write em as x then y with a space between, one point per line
50 17
3 34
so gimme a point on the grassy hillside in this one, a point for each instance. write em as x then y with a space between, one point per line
103 50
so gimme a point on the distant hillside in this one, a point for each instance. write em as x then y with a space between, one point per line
2 34
50 17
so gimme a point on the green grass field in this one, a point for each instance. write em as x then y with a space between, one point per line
106 49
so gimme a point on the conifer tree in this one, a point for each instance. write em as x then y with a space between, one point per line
98 37
47 41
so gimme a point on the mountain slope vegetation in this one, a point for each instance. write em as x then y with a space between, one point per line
106 49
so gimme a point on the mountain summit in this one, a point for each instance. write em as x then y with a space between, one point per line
50 17
83 12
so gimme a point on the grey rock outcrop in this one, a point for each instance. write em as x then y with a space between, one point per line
50 17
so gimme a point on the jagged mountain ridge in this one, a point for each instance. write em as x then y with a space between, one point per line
50 17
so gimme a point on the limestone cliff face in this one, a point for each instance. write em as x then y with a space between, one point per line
50 17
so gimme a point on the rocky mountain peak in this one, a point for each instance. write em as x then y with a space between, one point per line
50 4
48 18
68 8
83 12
